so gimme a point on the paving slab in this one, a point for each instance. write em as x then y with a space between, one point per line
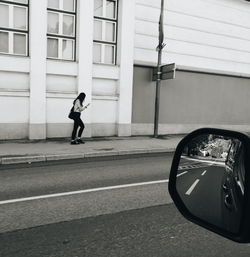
28 151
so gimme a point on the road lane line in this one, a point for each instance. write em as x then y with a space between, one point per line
210 162
182 173
203 173
82 191
192 187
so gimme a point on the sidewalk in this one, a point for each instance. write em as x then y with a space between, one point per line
25 151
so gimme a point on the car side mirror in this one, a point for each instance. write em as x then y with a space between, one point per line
210 183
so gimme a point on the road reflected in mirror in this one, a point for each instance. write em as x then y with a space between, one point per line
210 180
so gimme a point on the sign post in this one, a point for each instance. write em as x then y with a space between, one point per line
166 72
158 79
161 72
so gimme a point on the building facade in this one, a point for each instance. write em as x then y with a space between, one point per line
51 50
209 42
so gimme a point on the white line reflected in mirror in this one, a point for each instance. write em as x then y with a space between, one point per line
203 173
210 162
182 173
190 190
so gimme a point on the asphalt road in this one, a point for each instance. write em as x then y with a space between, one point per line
109 208
39 195
199 186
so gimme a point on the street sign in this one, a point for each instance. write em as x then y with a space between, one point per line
168 75
155 72
154 77
168 67
167 72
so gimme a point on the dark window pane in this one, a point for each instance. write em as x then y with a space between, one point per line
98 11
20 44
68 25
4 16
109 54
67 49
4 42
110 32
53 23
97 53
53 4
68 5
52 48
110 9
20 15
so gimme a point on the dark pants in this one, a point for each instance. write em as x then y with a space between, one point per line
77 123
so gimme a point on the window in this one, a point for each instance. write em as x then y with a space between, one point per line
61 29
105 31
14 27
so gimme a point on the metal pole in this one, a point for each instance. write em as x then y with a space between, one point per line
158 81
157 95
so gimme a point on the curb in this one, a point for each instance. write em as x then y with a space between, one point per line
58 157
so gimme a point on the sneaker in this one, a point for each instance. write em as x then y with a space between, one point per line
80 141
74 142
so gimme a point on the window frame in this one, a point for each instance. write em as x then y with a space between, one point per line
104 20
60 36
60 9
59 52
11 30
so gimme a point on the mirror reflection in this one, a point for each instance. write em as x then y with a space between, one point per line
210 180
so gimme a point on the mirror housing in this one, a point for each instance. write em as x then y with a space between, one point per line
242 233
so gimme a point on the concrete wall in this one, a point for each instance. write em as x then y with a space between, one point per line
203 34
209 40
210 36
14 97
190 101
36 93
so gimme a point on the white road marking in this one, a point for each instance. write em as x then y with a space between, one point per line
210 162
182 173
82 191
203 173
192 187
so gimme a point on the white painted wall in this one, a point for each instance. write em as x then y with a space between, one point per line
104 87
58 108
14 81
105 95
104 110
61 83
126 27
200 35
14 109
108 87
85 46
44 89
14 63
38 53
14 97
204 34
